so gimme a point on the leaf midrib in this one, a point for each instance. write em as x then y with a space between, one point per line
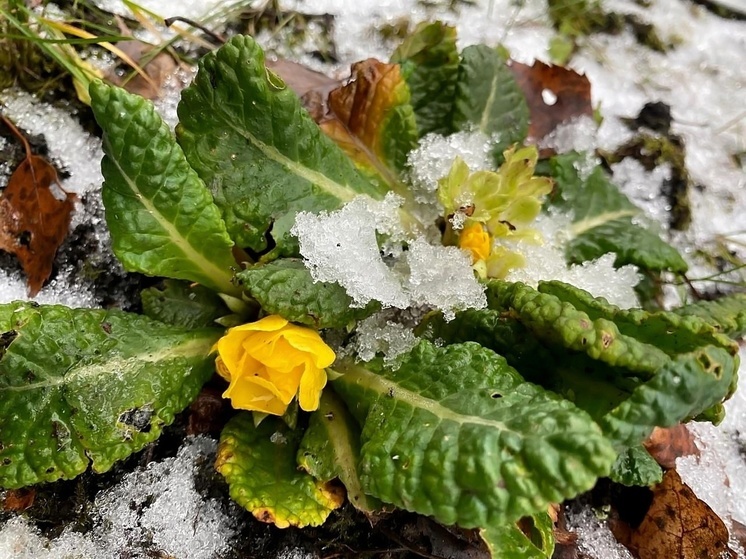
385 387
317 178
189 348
585 225
211 271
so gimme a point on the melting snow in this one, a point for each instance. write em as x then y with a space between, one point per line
154 511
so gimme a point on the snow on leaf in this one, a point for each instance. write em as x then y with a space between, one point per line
246 135
34 215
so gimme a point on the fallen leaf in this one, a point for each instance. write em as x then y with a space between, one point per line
368 118
18 500
677 524
312 87
554 94
668 444
155 69
34 215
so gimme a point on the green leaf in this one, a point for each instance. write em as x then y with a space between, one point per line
285 287
632 373
488 97
181 304
262 156
726 315
430 61
635 466
258 462
606 221
672 332
456 433
510 542
161 217
81 385
331 449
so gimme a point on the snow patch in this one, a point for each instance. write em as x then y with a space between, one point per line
547 262
158 504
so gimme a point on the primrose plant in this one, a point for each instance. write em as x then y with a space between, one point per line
291 233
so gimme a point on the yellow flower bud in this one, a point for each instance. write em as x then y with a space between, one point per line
477 241
269 361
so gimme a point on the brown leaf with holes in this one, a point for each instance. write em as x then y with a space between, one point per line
668 444
34 215
554 94
677 524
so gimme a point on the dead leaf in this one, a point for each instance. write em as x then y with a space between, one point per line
18 500
554 94
208 412
34 215
312 87
668 444
155 69
677 525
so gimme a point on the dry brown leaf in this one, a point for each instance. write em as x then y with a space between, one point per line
554 94
18 500
34 215
668 444
208 412
677 525
156 69
312 87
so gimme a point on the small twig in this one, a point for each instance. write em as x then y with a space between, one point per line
169 21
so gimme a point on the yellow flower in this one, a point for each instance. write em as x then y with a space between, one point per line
476 240
269 361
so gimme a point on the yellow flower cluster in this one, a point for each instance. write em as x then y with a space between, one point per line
269 361
500 206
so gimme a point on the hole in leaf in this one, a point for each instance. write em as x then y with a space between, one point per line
548 96
496 395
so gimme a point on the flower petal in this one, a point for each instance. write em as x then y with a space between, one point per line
311 384
269 323
309 341
286 383
255 394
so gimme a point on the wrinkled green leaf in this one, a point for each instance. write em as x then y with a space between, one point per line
488 97
604 220
285 287
162 219
181 304
331 449
83 386
630 370
635 466
259 152
510 542
258 462
456 433
726 315
669 331
430 61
